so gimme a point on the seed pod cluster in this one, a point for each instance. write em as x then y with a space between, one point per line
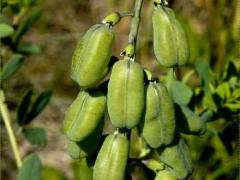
126 94
112 159
92 55
84 115
158 126
177 158
133 100
169 39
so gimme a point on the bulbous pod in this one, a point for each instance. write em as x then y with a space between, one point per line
188 122
164 175
92 55
158 125
87 146
169 38
126 94
177 159
84 115
112 158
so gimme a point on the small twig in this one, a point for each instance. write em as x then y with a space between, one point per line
127 14
132 39
7 122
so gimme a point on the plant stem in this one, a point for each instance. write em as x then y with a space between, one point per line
132 39
6 118
126 14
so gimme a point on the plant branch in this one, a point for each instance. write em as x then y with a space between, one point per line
6 118
126 14
132 39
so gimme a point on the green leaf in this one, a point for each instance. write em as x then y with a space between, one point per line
5 30
233 82
3 19
209 102
233 106
236 94
11 66
204 71
138 147
230 71
223 90
153 164
12 1
23 107
81 170
180 92
36 136
50 173
31 168
28 48
29 2
25 26
40 103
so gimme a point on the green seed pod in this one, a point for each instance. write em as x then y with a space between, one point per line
188 122
177 159
92 55
164 175
84 115
112 19
126 94
169 39
86 147
160 2
112 158
158 125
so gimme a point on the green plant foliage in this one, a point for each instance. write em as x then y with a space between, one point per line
27 114
23 107
5 30
25 26
31 168
11 66
36 136
28 48
52 173
180 92
40 103
81 170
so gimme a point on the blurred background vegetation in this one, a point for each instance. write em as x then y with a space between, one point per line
47 47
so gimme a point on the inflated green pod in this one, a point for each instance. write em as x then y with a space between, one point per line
188 122
84 115
112 158
169 38
126 94
164 175
177 159
158 125
92 55
86 147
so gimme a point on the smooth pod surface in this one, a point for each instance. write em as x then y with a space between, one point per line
84 115
86 147
169 38
177 159
92 55
158 125
188 122
112 158
164 175
126 94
